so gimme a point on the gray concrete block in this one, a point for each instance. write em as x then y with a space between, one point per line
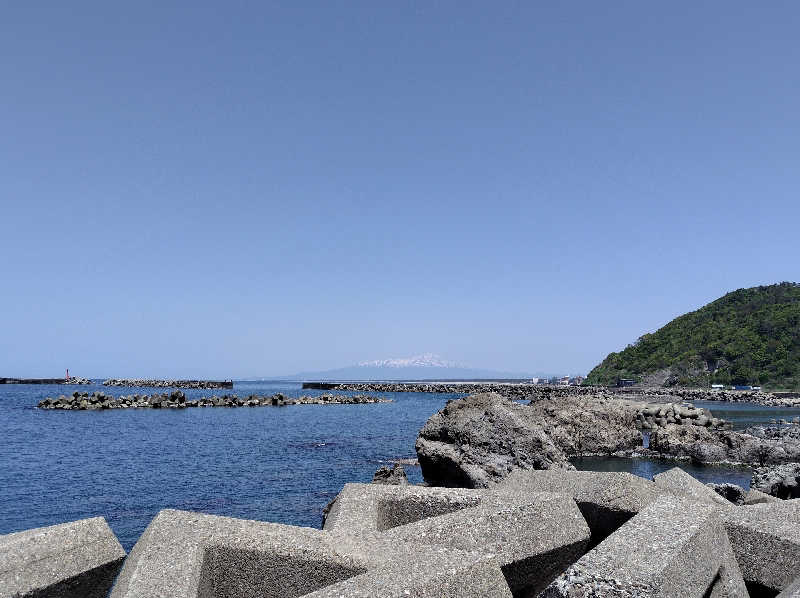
766 541
606 500
367 508
674 547
533 538
792 590
189 555
679 481
71 560
754 497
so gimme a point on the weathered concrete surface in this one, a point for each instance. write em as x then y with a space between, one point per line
754 497
367 508
188 555
793 589
533 538
687 555
71 560
606 500
765 537
533 535
766 541
678 480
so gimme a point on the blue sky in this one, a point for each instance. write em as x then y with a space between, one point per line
245 189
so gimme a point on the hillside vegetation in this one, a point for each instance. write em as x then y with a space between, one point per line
749 336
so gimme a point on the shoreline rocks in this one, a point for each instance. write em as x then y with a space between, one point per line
83 401
476 441
781 481
391 476
202 384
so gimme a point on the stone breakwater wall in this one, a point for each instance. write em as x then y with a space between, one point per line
83 401
535 392
73 380
553 534
508 390
202 384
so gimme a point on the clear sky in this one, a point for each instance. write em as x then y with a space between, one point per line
250 188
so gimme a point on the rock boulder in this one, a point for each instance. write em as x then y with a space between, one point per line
477 441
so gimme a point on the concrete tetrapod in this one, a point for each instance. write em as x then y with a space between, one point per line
189 555
678 481
766 540
533 539
534 536
685 554
370 508
765 537
71 560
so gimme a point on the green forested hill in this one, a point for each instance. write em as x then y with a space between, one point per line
749 336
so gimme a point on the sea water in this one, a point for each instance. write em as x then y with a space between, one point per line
279 464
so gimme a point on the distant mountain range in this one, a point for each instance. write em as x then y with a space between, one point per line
420 367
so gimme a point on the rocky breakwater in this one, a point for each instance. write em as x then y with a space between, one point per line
72 380
202 384
535 392
83 401
477 441
769 399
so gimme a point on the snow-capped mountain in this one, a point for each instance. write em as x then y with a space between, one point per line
426 360
426 366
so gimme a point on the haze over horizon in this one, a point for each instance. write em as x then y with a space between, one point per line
192 190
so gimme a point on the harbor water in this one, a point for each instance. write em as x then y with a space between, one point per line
280 464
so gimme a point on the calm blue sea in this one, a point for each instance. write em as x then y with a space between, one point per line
266 463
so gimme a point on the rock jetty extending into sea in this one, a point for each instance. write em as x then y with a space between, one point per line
84 401
169 383
552 534
532 392
71 380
